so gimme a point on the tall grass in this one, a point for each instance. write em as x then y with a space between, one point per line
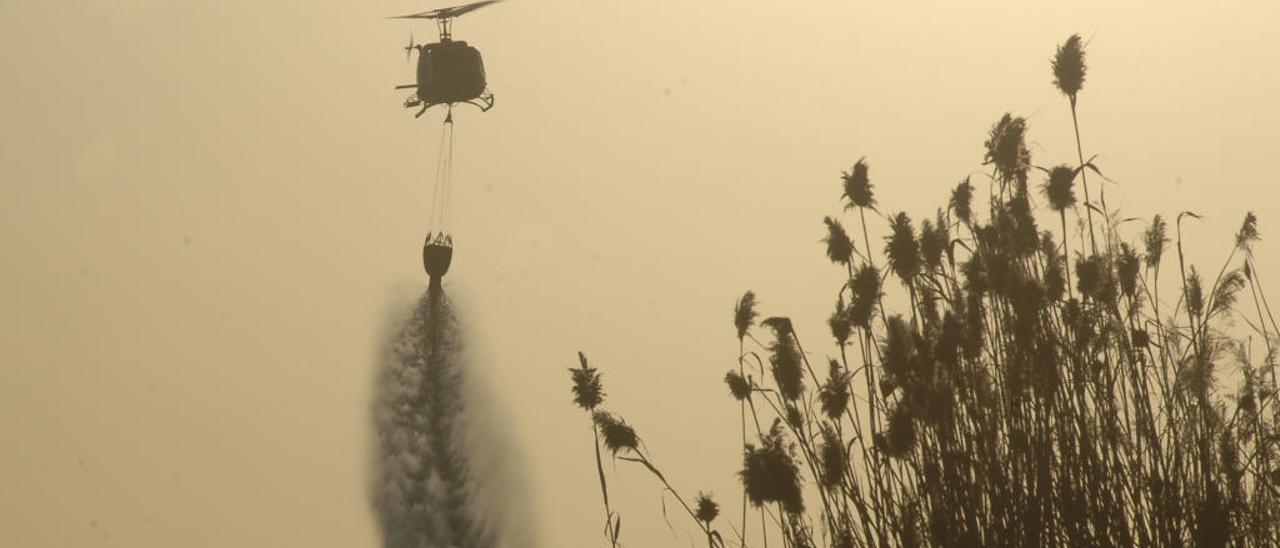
1039 389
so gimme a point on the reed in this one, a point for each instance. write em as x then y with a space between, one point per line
1014 402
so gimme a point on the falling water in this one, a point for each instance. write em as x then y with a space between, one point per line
436 483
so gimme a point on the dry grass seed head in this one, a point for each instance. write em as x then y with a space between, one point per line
786 364
744 314
834 394
832 458
866 294
1248 232
1007 150
857 186
1155 239
933 242
841 327
839 246
1127 266
739 387
1069 67
1195 293
617 434
902 249
770 473
707 509
1060 188
962 201
588 392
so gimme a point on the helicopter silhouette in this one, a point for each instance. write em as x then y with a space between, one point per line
449 71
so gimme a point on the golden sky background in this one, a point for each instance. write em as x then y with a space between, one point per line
207 210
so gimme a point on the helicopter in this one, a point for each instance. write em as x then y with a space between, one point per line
449 71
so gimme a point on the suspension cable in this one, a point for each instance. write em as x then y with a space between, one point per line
447 191
438 219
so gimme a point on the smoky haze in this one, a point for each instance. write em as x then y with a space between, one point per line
203 204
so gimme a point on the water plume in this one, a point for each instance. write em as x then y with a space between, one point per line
437 477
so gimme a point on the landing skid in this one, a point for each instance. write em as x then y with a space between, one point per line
484 102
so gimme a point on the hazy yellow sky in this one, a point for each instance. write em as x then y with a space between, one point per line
208 208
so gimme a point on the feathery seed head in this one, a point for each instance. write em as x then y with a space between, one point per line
933 242
739 387
1248 232
770 473
617 434
1059 189
587 390
1195 293
962 201
841 327
866 294
839 246
834 394
1127 266
785 360
1007 150
902 249
744 314
1069 67
1155 240
707 510
857 186
832 458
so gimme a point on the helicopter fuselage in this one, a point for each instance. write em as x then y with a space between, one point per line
449 72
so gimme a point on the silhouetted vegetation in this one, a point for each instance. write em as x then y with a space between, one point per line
1035 390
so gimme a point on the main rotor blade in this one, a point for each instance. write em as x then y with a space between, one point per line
446 13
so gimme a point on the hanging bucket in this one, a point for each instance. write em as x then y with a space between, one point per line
437 254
